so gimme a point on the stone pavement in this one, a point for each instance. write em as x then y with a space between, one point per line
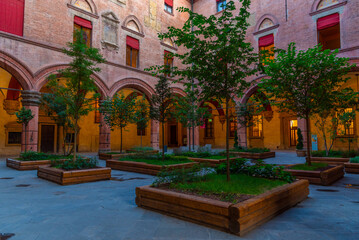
106 210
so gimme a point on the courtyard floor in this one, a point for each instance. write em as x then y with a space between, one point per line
35 209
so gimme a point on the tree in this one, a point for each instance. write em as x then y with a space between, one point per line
218 59
304 81
78 84
24 116
55 107
142 115
299 140
119 112
160 110
190 113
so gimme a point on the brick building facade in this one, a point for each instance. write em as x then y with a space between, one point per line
33 32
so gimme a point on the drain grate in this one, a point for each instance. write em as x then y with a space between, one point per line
7 178
327 190
23 185
123 179
59 193
4 236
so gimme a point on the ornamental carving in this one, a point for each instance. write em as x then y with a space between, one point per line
11 106
268 115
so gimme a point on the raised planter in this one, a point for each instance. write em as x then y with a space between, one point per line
237 218
28 165
254 155
64 177
145 168
326 177
105 156
301 153
352 167
330 160
210 162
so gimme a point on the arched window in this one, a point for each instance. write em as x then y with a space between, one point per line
83 4
326 3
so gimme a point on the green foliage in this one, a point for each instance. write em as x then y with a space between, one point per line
78 81
306 82
156 159
141 149
119 112
354 160
299 140
35 156
142 115
312 167
24 116
336 153
236 144
251 150
78 164
240 166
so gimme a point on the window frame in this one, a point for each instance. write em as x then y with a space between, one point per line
251 135
81 28
208 129
131 50
167 8
345 135
219 6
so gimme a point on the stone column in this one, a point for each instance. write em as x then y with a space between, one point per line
242 135
104 135
31 100
155 135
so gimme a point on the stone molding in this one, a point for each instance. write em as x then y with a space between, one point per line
31 98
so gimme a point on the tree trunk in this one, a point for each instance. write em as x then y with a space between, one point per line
25 138
75 142
227 140
163 142
121 140
189 142
141 139
309 162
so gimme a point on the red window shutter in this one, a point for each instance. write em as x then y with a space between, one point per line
169 2
328 21
12 16
83 22
266 40
133 42
167 53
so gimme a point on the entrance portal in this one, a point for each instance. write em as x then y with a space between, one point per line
47 138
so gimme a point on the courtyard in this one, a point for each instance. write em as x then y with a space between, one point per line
35 209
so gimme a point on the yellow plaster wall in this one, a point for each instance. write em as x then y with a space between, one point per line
5 117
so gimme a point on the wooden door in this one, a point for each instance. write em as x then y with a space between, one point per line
47 138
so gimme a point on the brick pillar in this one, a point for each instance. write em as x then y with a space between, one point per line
196 137
31 100
155 134
104 135
242 135
303 127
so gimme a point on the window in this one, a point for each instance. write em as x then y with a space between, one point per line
85 27
209 128
169 6
97 112
12 16
329 31
256 130
141 132
132 50
266 47
293 134
14 138
168 61
346 123
221 5
232 127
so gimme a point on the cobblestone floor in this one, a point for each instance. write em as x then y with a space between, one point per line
106 210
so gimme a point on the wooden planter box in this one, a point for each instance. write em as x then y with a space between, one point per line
352 167
255 155
64 177
105 156
326 177
28 165
210 162
140 167
234 218
330 160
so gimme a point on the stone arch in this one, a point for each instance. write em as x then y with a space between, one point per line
178 91
132 83
17 69
133 18
316 4
42 75
253 90
270 17
89 2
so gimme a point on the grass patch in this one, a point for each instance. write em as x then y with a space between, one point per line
313 167
336 154
239 184
251 150
78 164
156 159
38 156
354 160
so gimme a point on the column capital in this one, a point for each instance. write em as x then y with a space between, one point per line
31 98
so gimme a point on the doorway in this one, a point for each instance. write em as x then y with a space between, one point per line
47 138
293 129
173 138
